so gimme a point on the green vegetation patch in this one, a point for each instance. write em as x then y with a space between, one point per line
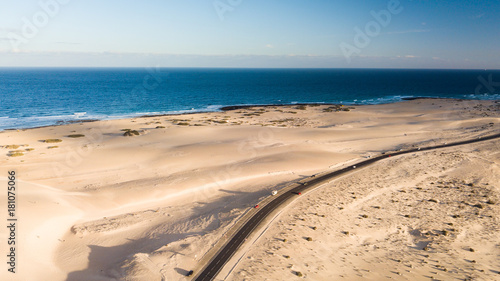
52 140
12 146
76 136
131 133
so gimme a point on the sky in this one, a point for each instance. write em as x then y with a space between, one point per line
251 33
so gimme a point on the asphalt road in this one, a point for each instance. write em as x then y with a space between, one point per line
221 258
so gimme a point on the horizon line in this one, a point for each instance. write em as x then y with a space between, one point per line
229 67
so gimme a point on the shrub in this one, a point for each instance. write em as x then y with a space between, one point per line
309 239
299 274
29 149
76 136
131 133
183 124
52 140
160 127
52 147
12 146
15 154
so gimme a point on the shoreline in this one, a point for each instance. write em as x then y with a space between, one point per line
231 108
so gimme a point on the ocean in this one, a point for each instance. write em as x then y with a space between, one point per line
31 97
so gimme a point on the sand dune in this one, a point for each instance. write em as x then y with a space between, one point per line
150 207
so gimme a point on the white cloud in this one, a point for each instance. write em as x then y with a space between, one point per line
68 43
409 31
477 16
121 59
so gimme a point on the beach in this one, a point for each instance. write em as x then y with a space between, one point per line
147 198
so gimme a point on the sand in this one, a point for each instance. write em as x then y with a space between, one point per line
151 207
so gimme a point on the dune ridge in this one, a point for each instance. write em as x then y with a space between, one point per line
112 207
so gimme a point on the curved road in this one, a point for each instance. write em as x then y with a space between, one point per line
220 259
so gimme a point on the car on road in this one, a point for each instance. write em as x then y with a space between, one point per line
256 206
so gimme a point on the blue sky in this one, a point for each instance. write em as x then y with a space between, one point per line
251 33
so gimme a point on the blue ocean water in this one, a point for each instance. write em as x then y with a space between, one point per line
31 97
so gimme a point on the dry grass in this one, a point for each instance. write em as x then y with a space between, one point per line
130 133
76 136
52 140
12 146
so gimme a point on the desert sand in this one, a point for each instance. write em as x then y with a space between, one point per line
98 205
